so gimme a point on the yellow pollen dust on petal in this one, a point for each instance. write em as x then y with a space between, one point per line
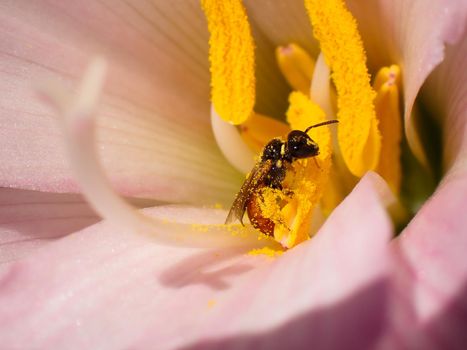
231 55
291 209
258 130
296 65
266 251
387 85
336 30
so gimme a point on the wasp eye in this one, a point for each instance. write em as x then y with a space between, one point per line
300 145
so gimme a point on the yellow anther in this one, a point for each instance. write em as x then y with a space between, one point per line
388 75
358 135
387 84
258 130
296 65
231 54
291 210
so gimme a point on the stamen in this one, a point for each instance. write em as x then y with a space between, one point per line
296 65
79 128
258 130
387 84
231 54
358 135
388 75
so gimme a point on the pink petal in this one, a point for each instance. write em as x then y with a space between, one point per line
433 249
428 303
433 268
106 288
445 94
29 219
102 286
308 298
158 86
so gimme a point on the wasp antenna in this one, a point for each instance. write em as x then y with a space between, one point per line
332 121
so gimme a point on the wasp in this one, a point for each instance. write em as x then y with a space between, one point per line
270 171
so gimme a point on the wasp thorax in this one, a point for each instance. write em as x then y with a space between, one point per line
272 151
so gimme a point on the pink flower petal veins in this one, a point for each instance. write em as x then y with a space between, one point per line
150 98
106 287
78 114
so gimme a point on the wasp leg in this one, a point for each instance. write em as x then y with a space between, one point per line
316 162
241 218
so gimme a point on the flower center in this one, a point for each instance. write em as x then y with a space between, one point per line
369 129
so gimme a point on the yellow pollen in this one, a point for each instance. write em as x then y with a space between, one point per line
291 209
296 65
387 84
272 201
231 54
266 251
358 135
258 130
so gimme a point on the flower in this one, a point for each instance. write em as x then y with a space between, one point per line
109 287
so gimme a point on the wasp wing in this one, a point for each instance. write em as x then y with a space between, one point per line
254 179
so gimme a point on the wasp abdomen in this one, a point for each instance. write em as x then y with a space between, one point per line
255 214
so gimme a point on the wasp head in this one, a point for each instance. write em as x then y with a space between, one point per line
300 145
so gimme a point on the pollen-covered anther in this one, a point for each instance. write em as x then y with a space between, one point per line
231 54
388 76
358 135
